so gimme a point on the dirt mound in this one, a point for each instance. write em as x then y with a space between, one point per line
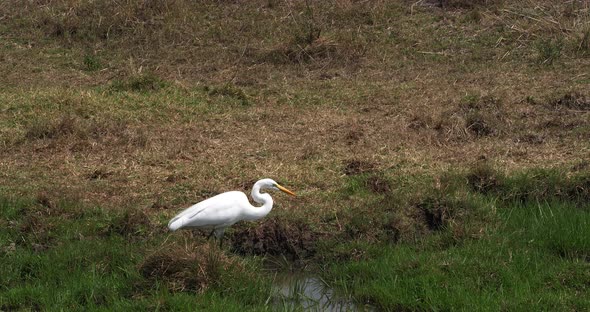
185 267
475 117
354 167
436 213
483 178
378 184
292 239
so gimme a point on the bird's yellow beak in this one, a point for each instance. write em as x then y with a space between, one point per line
285 190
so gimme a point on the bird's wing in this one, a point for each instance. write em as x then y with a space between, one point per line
217 210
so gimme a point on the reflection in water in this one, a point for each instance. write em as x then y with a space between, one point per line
310 293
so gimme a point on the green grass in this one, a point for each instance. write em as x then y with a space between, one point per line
114 116
559 229
84 258
535 259
486 251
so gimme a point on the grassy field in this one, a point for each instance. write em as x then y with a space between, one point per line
440 153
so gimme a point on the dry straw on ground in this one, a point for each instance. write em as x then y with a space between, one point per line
161 105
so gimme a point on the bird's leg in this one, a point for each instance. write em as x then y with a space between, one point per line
210 234
219 235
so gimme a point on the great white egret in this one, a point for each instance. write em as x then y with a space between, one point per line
223 210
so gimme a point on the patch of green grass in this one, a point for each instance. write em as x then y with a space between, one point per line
548 51
92 261
139 83
452 247
559 228
535 259
366 185
92 62
234 94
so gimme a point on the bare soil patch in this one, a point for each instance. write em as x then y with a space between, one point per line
292 239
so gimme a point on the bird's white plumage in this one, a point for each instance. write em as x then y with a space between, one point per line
223 210
220 210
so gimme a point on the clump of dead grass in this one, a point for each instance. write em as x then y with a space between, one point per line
378 183
356 167
470 4
99 174
309 40
436 212
581 165
48 129
531 138
560 114
319 51
478 124
475 117
484 178
45 200
90 21
420 121
572 101
79 132
187 267
484 116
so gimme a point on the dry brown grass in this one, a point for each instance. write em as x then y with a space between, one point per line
186 102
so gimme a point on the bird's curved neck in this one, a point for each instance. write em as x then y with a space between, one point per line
262 198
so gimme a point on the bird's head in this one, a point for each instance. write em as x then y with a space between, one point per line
273 185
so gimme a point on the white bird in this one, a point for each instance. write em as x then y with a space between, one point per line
223 210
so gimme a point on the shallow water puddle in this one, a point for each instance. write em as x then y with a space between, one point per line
310 293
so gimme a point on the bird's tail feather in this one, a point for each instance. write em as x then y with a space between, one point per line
176 223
